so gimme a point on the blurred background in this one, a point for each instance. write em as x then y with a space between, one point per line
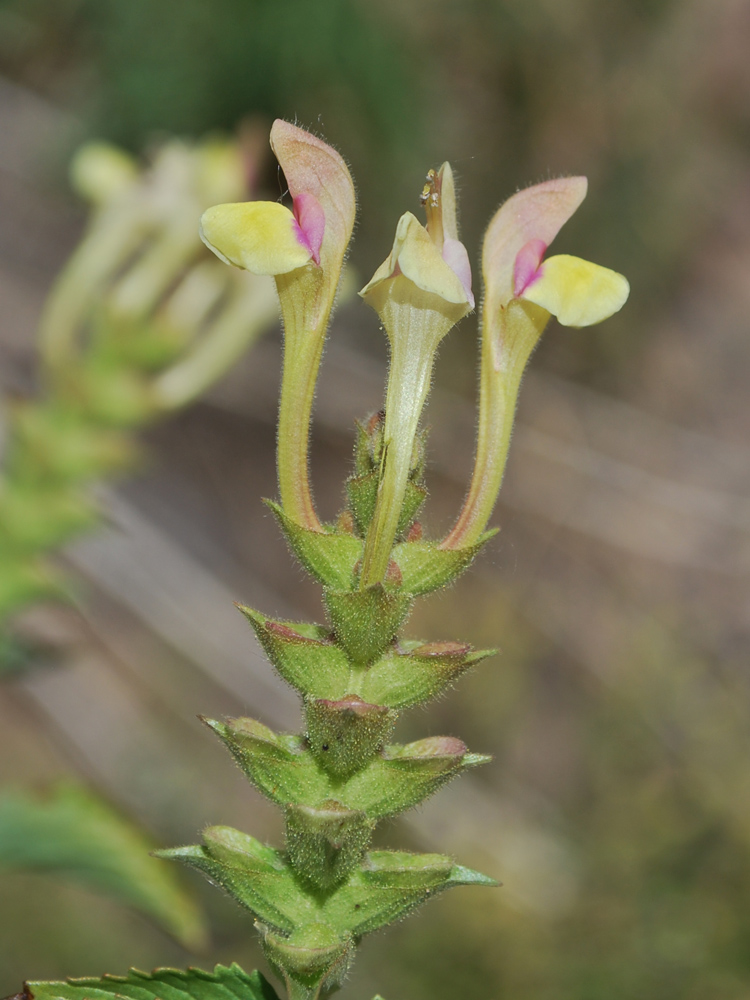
617 810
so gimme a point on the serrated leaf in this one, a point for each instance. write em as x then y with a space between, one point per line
224 983
73 833
425 567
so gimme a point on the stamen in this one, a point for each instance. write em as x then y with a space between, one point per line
429 199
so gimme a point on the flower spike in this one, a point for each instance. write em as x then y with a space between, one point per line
304 250
522 292
341 775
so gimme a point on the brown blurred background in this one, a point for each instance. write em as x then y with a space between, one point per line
617 810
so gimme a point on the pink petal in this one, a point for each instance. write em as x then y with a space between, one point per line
313 167
526 267
457 259
536 213
311 222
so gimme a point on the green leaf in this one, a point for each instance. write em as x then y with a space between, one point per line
425 567
389 885
329 556
421 671
308 660
277 764
257 876
406 775
162 984
73 833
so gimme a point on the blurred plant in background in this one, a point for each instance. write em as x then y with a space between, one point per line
71 832
140 323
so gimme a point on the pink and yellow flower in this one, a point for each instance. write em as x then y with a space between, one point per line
303 248
522 292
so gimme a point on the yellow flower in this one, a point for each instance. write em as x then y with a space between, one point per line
303 248
522 292
420 291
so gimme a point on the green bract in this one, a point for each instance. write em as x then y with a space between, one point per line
316 898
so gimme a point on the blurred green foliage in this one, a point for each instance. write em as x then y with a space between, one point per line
140 322
72 833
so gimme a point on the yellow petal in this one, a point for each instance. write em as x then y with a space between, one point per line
448 202
577 292
416 257
259 236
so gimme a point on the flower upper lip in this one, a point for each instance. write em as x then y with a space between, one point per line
431 256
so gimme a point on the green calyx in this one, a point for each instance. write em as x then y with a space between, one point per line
308 930
314 900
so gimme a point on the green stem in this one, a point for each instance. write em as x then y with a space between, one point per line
305 309
102 252
504 359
